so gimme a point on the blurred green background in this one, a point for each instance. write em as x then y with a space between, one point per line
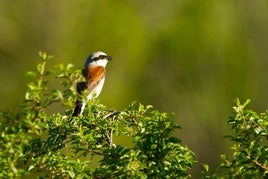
191 57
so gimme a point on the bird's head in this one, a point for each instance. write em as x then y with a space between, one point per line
97 59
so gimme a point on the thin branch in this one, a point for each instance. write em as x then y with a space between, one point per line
258 163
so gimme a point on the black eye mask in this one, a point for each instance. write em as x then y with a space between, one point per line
102 57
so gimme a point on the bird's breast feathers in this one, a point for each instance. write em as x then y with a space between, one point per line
94 80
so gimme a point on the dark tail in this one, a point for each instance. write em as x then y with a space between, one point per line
77 109
81 86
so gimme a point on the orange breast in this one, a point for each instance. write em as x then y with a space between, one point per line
94 74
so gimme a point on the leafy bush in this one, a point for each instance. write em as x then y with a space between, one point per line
250 151
36 140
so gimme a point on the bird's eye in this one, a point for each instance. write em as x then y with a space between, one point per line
102 56
95 58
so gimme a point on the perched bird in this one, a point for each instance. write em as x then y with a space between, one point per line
94 72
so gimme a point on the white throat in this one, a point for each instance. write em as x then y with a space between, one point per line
102 63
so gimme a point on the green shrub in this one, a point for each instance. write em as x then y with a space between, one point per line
137 142
250 151
37 140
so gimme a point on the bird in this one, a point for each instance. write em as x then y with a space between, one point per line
94 73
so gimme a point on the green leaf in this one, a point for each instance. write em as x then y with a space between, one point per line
31 74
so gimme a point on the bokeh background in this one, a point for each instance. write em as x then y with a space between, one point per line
190 57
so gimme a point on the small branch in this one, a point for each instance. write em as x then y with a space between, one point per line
109 135
258 163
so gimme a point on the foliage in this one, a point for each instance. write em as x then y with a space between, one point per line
136 142
250 151
35 139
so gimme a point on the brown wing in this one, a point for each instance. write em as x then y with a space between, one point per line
94 75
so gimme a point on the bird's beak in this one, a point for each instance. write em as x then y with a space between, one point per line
109 58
